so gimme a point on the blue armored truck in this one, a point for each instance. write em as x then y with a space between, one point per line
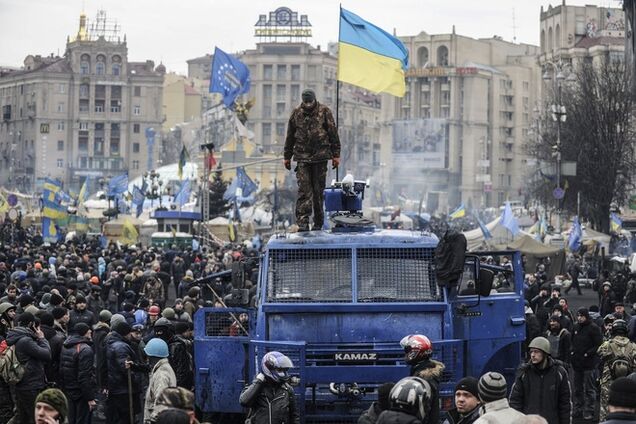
339 302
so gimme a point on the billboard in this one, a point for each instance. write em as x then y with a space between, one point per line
420 143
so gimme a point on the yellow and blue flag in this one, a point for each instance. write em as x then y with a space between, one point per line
49 231
370 57
615 223
129 233
83 194
4 205
51 190
53 209
460 212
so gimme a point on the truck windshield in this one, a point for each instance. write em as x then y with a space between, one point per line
325 275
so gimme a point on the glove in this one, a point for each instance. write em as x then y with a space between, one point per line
287 164
335 162
260 377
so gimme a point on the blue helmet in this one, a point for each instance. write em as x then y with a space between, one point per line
275 366
157 347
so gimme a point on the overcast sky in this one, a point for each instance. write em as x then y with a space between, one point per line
173 31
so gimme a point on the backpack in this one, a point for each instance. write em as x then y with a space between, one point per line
621 363
11 369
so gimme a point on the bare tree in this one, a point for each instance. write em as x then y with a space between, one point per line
598 136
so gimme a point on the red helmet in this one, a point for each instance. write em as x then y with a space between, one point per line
417 348
154 310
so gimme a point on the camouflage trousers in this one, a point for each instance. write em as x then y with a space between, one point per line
311 185
605 382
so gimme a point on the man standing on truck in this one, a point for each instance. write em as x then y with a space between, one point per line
312 140
418 350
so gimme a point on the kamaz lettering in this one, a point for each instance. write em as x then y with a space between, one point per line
355 357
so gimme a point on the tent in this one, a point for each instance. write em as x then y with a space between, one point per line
500 235
534 251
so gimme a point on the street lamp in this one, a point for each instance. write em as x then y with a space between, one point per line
559 115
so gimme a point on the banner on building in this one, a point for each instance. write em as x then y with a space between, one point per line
421 143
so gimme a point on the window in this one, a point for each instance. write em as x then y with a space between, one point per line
136 128
60 163
268 72
85 64
60 145
136 110
295 93
280 129
115 106
281 93
83 126
422 56
83 90
526 86
114 146
267 129
60 107
281 72
311 72
60 126
267 94
82 144
99 107
135 164
135 147
280 110
295 72
100 68
61 88
116 67
442 56
137 91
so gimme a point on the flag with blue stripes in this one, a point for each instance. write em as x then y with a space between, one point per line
615 223
242 181
460 212
229 76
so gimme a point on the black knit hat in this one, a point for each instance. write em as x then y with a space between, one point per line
25 300
80 299
25 318
308 95
583 312
58 312
623 393
56 299
122 328
81 329
470 385
492 386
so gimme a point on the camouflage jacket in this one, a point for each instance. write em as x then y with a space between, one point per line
621 344
312 136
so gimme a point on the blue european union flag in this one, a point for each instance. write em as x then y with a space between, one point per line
118 185
229 76
242 181
574 242
138 200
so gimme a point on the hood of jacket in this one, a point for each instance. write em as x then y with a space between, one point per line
75 339
114 337
430 369
621 341
15 334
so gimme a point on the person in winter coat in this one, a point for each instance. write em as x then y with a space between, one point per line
559 338
542 386
418 350
121 359
618 359
181 355
538 305
270 398
56 340
161 374
6 324
533 327
371 415
81 314
409 403
622 402
77 374
154 291
466 410
586 339
495 408
607 300
33 351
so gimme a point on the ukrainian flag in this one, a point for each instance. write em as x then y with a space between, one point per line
460 212
52 209
49 231
370 57
615 223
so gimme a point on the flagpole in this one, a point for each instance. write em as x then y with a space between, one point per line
338 83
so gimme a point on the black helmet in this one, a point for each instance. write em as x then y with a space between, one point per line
413 396
619 328
163 322
609 318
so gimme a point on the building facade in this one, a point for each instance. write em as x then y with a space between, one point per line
458 134
83 114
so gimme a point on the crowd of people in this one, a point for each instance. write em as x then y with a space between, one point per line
106 333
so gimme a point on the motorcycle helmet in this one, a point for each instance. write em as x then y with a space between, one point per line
412 395
417 349
275 366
